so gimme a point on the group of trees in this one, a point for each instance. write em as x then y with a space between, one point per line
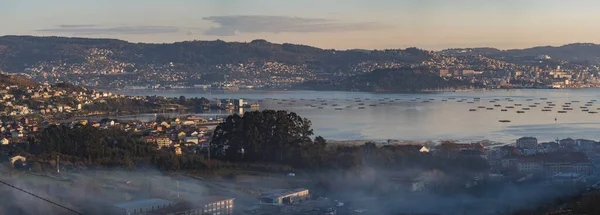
268 136
90 146
284 137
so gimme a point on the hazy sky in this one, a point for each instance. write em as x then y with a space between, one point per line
340 24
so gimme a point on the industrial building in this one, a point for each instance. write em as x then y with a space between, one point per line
280 197
140 207
210 205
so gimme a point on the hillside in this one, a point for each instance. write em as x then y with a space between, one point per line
19 52
393 80
11 80
576 52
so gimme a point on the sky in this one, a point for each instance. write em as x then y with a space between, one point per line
338 24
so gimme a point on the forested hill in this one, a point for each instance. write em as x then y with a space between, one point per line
18 52
394 80
12 80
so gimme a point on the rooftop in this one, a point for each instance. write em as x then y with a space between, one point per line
187 206
142 203
281 192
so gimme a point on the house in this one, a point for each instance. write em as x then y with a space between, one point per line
554 163
161 141
16 134
190 140
15 158
140 207
280 197
527 143
181 135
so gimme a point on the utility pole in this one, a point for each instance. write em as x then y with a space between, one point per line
58 163
177 189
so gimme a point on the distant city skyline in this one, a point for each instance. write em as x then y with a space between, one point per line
338 24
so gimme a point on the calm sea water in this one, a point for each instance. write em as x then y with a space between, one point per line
423 117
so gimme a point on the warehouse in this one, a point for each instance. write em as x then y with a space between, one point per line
140 206
214 205
279 197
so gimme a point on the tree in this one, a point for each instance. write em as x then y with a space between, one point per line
261 136
36 167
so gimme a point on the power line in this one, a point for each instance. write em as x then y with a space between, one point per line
39 197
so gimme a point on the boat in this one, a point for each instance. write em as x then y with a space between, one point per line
425 101
470 102
524 108
574 101
503 110
567 103
585 110
472 109
594 100
588 104
510 100
451 98
492 101
459 101
592 112
489 108
509 107
552 105
361 103
503 120
334 105
562 111
543 98
338 108
546 110
518 104
497 105
548 107
520 111
567 108
532 106
537 103
444 100
528 99
361 107
480 106
372 105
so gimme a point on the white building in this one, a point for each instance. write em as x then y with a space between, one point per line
140 207
279 197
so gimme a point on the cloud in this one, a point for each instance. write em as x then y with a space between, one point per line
233 25
96 30
77 26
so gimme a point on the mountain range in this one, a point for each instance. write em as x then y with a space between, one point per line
19 52
574 53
